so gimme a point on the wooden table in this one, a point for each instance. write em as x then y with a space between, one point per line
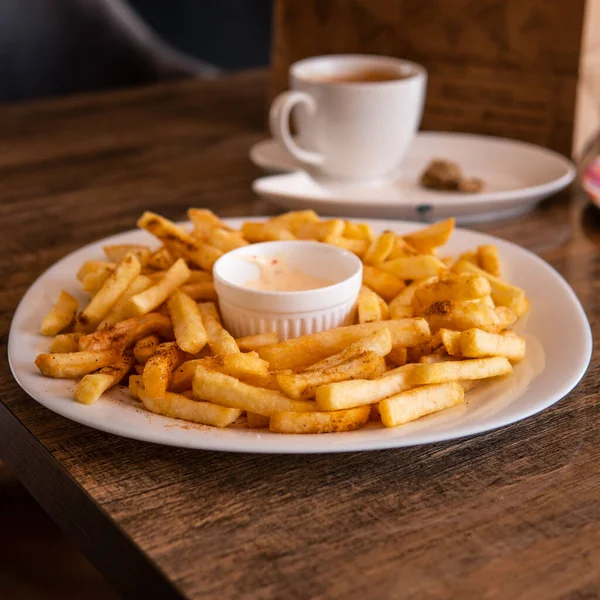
514 513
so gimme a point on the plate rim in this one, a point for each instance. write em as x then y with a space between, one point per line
249 445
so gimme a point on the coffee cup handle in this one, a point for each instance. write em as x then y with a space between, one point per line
279 119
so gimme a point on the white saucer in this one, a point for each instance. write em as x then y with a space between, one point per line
517 176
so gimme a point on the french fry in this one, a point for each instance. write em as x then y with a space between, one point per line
158 368
379 342
219 339
370 306
405 296
506 317
301 352
180 241
118 281
60 316
489 259
296 217
398 356
320 231
503 294
238 365
439 355
257 421
93 385
320 422
358 231
161 259
145 347
127 332
400 311
226 240
460 316
205 221
428 238
414 267
477 368
73 365
476 343
135 383
117 252
266 232
380 248
228 391
303 384
188 327
119 311
154 296
359 392
385 285
431 345
268 382
251 343
402 249
178 406
457 288
416 403
65 342
358 247
92 282
451 341
471 256
93 266
202 291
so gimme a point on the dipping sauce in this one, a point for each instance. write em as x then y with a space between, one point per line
277 276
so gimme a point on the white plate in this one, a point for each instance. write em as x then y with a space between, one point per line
517 175
556 322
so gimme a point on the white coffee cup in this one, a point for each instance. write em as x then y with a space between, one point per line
350 128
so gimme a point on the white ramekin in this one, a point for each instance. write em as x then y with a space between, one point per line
248 311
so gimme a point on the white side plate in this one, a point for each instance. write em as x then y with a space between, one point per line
556 322
517 176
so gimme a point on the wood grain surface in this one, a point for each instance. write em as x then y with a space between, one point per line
513 514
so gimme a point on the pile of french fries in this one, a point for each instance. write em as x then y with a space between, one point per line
427 329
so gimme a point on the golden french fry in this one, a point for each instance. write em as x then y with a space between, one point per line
402 249
160 259
154 296
268 381
321 231
477 368
456 288
135 383
358 231
257 421
439 355
228 391
178 406
117 252
180 241
448 261
358 392
400 311
205 221
118 281
358 247
416 403
301 352
370 306
398 357
226 240
459 316
489 259
451 341
320 422
158 368
503 294
477 343
145 347
296 217
379 342
60 316
201 291
254 342
405 296
238 365
431 345
65 342
119 311
506 317
471 256
73 365
188 327
385 285
93 385
93 266
266 232
92 282
303 384
414 267
380 248
127 332
433 236
219 339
